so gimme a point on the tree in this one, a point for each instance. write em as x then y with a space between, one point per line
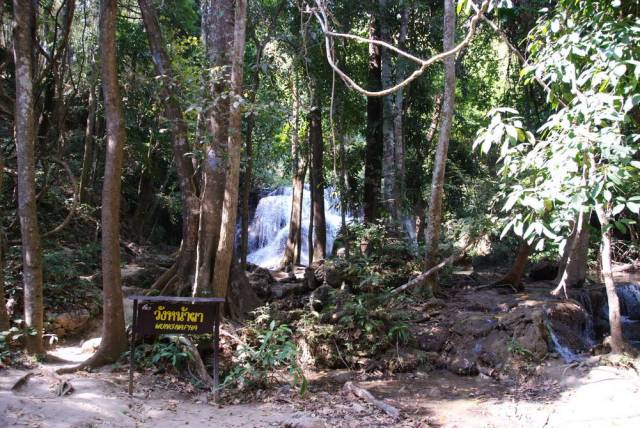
185 263
316 148
25 138
114 337
434 217
230 203
5 323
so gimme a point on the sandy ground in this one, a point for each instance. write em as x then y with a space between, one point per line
559 396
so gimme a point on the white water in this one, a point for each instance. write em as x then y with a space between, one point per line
269 227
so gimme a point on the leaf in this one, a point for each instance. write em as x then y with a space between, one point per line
617 209
633 207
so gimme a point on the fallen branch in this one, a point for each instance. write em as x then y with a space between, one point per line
421 279
369 398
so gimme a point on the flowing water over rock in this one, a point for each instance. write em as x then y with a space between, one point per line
269 227
629 295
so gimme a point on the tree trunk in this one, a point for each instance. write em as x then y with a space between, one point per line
374 145
218 26
230 204
617 342
572 269
25 136
515 274
317 147
5 322
185 263
89 143
389 167
114 338
434 220
398 112
293 248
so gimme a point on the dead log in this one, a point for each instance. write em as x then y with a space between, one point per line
369 398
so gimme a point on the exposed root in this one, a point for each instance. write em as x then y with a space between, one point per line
369 398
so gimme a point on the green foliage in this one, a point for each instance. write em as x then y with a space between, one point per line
265 352
165 353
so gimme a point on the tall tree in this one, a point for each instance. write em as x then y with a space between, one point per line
316 146
4 316
224 254
434 218
185 264
89 140
374 145
293 247
25 137
114 338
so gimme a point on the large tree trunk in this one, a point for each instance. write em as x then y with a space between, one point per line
218 27
293 248
398 112
89 143
114 338
434 218
25 135
572 269
317 147
617 342
185 263
374 145
389 167
230 203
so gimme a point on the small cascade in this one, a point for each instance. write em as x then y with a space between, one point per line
564 351
269 228
629 295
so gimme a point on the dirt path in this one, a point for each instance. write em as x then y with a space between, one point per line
557 397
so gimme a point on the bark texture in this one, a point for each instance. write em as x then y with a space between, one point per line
515 274
114 338
180 144
374 145
230 203
25 138
434 218
4 316
89 143
572 269
317 147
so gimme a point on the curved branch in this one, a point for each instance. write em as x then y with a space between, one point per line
321 16
74 203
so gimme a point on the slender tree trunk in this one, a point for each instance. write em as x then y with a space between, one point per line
89 143
317 147
398 112
248 172
572 269
515 274
25 135
292 249
389 191
185 263
230 204
374 145
114 338
5 322
432 237
218 24
617 342
312 195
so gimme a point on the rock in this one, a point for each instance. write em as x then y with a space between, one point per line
321 297
333 276
69 323
533 338
139 275
462 364
432 339
403 360
311 280
475 325
284 289
90 346
300 420
544 270
493 350
261 280
569 321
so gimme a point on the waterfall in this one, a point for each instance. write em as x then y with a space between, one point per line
269 228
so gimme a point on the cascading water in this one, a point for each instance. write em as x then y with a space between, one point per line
629 295
269 227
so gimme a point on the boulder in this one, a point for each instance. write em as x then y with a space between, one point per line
476 325
321 297
544 270
432 338
140 275
533 338
463 363
69 323
570 323
493 350
261 280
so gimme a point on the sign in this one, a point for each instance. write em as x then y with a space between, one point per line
176 315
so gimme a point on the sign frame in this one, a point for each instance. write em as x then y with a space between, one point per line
216 306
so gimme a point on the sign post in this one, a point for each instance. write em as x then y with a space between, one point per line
176 315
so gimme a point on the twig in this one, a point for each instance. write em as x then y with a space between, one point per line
369 398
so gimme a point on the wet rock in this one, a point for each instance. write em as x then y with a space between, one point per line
463 364
533 338
140 275
544 270
69 323
321 297
403 360
569 322
494 349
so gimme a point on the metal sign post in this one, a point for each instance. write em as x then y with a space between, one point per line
153 315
